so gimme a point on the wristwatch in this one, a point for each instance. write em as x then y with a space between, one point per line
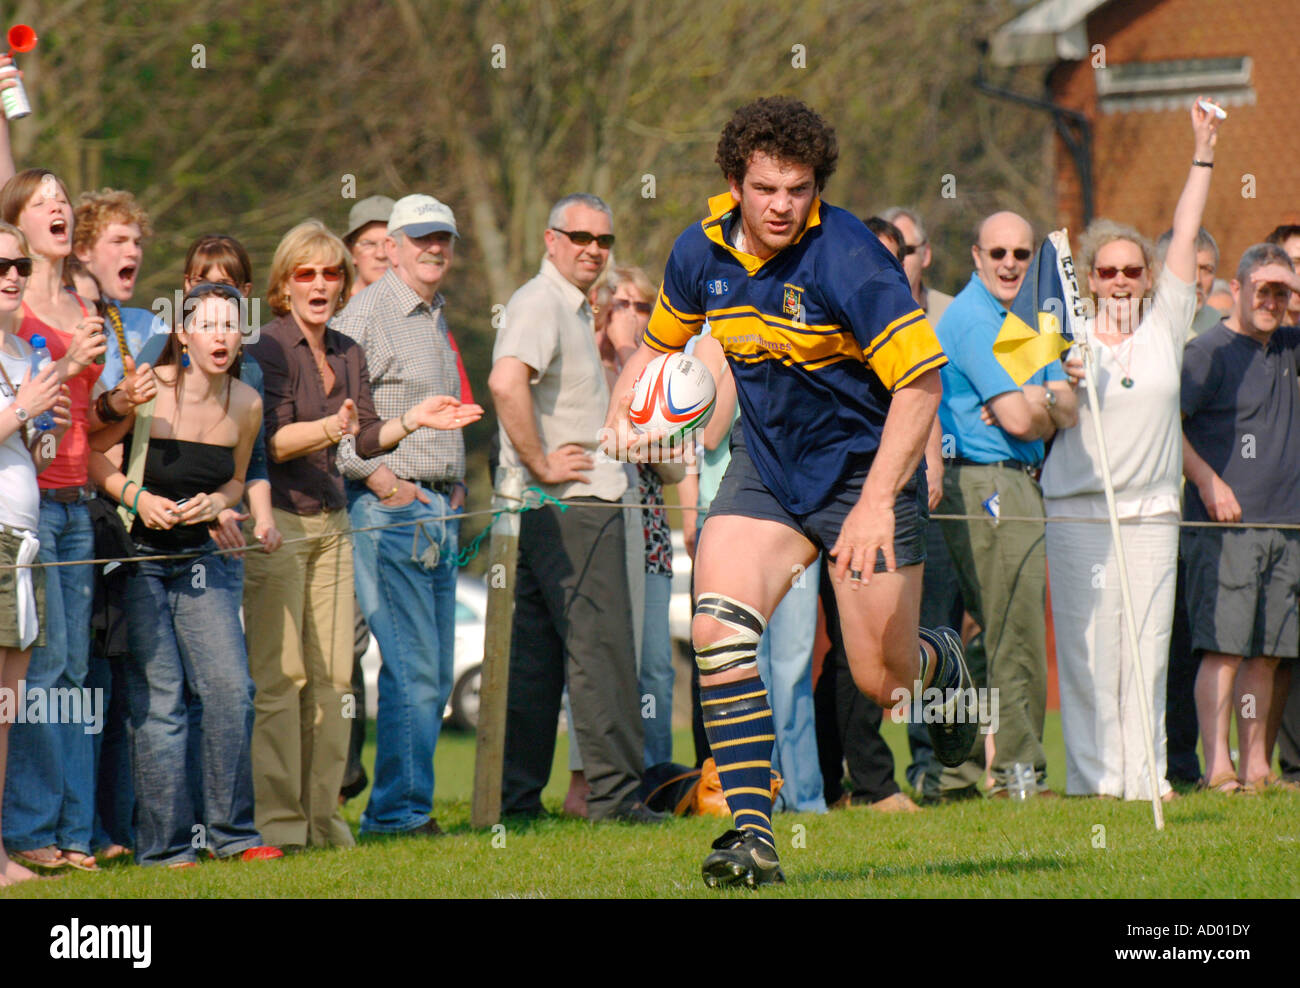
1051 398
22 414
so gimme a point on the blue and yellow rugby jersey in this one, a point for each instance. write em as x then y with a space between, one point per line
818 337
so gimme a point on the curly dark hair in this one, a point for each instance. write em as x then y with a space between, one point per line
783 128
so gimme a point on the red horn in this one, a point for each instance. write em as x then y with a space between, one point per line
22 38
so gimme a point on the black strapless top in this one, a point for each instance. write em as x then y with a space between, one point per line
177 469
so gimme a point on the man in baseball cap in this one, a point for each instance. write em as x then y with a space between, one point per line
408 591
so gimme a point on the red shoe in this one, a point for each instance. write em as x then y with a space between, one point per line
263 853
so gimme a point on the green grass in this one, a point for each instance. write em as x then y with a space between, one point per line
1213 846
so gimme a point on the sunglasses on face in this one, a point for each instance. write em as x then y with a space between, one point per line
581 237
23 265
305 276
907 250
1132 273
620 304
997 253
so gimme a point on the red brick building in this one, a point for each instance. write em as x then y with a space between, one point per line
1132 67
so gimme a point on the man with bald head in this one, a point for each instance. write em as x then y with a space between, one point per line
993 436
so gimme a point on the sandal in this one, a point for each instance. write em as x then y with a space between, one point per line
1226 784
41 858
80 861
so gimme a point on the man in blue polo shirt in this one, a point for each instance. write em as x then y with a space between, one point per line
993 442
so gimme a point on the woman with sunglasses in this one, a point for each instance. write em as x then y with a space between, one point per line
183 613
299 610
50 785
23 397
1138 345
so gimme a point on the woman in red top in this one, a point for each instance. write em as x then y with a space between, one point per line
50 785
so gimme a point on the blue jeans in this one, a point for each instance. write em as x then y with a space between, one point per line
50 788
411 609
657 671
785 654
183 625
114 795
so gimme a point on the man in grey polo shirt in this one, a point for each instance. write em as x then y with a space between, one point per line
406 577
1241 422
572 613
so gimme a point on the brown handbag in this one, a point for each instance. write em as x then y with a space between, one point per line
705 796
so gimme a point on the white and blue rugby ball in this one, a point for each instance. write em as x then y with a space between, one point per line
674 394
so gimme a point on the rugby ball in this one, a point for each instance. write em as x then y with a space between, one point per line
675 394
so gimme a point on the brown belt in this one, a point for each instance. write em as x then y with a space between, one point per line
68 495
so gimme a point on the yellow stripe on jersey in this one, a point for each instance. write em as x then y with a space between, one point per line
906 349
745 333
670 328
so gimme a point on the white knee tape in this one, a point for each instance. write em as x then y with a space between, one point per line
736 651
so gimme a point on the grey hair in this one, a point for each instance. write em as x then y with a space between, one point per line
1259 255
1203 242
1101 232
556 219
894 212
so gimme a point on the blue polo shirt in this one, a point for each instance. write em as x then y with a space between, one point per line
973 375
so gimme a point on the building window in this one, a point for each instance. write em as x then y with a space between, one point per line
1145 86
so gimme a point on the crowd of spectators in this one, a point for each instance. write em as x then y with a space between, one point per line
309 471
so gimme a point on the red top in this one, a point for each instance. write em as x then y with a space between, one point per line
69 468
466 392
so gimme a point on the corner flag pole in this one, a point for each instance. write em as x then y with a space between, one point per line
1069 280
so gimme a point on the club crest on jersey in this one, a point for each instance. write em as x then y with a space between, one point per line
792 302
718 286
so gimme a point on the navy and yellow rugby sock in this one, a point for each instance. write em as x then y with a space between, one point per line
739 724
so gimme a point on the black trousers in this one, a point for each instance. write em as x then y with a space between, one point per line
848 723
572 616
1182 765
1288 734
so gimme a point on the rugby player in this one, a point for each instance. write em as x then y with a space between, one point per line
837 374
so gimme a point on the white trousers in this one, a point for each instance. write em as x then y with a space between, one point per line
1100 716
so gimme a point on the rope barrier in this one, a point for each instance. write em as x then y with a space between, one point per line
526 503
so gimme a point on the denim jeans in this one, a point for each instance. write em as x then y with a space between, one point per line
657 671
183 622
50 787
785 654
114 794
411 609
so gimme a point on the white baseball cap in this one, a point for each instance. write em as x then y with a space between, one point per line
419 216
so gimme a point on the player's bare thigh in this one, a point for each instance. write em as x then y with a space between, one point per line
752 560
878 621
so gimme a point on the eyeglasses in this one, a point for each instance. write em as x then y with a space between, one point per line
619 304
369 246
305 276
1133 272
581 237
907 250
997 253
23 265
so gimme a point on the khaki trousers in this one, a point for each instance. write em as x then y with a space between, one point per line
298 616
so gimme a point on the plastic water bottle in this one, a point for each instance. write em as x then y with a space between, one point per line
40 357
1023 782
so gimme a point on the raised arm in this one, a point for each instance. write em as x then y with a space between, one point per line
1180 259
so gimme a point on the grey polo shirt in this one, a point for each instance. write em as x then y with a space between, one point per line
549 327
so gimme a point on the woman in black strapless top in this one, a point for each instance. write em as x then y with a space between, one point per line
183 613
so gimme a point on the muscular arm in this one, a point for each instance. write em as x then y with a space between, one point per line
869 527
908 427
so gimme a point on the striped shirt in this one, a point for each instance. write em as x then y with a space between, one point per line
410 358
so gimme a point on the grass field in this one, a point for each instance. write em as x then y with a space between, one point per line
1213 846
